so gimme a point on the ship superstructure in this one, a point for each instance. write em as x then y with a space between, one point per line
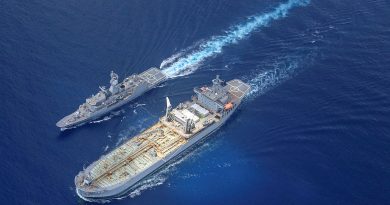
115 96
115 173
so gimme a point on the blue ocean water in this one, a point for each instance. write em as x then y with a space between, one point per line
314 130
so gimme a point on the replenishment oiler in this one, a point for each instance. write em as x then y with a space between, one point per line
114 174
107 100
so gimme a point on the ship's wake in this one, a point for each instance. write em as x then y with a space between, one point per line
264 81
261 80
108 117
184 63
282 69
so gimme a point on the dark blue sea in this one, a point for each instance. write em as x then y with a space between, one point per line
315 129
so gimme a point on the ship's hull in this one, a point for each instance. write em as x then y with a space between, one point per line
146 81
102 112
123 188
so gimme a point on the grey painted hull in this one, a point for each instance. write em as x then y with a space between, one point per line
122 189
131 88
104 111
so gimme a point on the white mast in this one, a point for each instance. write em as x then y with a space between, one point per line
169 107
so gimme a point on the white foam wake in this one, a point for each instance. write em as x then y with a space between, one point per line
108 117
175 66
264 81
283 68
171 59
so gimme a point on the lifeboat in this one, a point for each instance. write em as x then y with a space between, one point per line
228 106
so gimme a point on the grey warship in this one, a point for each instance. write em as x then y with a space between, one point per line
117 95
117 172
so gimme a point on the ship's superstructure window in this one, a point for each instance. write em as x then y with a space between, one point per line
212 97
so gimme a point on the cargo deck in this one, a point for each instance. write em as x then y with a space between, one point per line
141 152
